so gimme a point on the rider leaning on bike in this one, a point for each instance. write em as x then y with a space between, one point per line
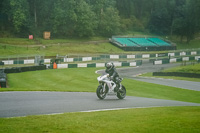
111 70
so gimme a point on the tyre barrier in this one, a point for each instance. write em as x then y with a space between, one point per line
24 69
3 79
1 63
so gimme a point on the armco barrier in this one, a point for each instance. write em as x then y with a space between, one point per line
179 74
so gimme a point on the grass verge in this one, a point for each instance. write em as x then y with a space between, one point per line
171 77
61 49
143 120
188 69
26 41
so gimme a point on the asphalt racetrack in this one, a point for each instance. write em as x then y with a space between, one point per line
17 104
148 67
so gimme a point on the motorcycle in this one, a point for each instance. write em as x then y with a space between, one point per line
107 86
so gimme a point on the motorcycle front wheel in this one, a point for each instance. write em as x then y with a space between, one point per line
100 93
121 94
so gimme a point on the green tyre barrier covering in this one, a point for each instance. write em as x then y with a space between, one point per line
91 65
72 65
125 64
18 61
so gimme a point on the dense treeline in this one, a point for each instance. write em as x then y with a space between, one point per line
86 18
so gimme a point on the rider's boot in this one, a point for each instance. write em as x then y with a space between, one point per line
116 88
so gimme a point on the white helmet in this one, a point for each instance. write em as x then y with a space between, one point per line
109 66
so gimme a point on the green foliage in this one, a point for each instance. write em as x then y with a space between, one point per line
109 23
64 17
19 9
85 18
160 19
186 22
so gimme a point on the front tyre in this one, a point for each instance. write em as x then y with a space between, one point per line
100 93
121 94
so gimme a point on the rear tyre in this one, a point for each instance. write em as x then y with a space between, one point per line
100 93
121 94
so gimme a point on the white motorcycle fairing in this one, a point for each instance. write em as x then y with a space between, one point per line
107 86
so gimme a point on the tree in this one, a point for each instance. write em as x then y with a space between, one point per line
192 19
73 18
110 22
186 23
86 20
41 15
64 17
126 8
19 14
4 15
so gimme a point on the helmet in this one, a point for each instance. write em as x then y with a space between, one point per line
109 66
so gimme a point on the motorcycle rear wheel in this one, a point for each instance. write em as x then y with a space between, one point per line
122 93
100 93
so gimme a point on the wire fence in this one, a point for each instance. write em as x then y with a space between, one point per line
21 60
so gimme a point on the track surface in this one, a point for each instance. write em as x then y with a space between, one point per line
14 104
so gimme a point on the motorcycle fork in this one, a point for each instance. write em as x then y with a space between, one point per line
120 86
105 87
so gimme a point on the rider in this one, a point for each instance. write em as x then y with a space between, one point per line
111 70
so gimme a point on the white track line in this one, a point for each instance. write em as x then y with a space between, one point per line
89 111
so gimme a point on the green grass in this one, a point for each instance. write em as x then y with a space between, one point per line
84 80
193 44
143 120
18 46
67 46
75 80
26 41
172 77
14 51
150 90
17 41
62 49
187 69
